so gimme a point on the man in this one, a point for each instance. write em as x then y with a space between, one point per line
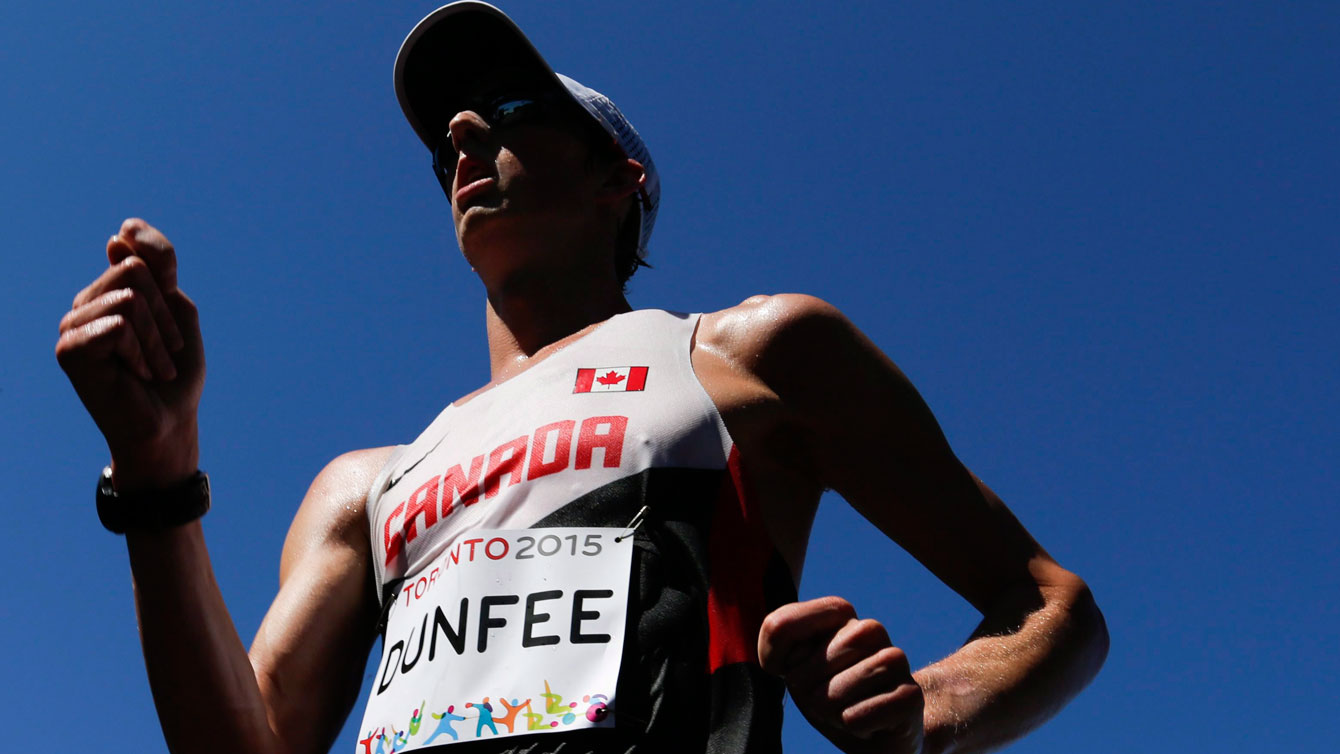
598 550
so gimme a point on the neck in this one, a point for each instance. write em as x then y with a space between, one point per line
532 313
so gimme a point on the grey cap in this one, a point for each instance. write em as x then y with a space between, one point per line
453 48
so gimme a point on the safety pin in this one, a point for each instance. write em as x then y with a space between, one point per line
632 525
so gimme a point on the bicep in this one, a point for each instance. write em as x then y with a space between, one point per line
878 445
311 648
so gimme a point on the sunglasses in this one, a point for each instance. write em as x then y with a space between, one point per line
502 113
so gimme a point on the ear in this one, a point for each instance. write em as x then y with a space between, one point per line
625 178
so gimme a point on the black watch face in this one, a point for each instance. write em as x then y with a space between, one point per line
155 509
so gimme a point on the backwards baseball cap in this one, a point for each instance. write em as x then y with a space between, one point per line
454 48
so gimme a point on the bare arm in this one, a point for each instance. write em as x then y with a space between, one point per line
1042 637
311 648
131 346
292 693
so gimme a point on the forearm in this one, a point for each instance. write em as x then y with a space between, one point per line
202 681
1028 657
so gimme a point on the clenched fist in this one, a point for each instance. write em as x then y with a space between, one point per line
131 346
845 675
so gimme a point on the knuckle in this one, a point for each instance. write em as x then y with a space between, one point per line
120 301
838 605
869 628
137 273
772 624
65 347
145 235
134 300
120 296
869 625
894 660
112 324
132 225
135 306
866 635
892 656
856 716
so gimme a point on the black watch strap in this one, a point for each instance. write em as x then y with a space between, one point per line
165 508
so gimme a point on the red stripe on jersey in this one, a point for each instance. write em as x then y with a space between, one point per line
584 379
637 378
738 554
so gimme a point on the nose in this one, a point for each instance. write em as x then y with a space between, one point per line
472 150
467 128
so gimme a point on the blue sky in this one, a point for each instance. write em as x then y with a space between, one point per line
1101 239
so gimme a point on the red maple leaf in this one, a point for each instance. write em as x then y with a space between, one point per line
610 378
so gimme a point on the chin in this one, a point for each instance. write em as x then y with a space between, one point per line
494 246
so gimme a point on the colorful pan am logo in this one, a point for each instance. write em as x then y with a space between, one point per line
598 710
594 707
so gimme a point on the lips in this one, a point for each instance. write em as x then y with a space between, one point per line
471 190
473 177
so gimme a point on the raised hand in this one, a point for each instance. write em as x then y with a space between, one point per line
845 675
131 346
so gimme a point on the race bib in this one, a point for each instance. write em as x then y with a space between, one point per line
508 632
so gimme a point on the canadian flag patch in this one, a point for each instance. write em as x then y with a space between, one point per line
611 380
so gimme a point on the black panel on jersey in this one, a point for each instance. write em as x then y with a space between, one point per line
666 700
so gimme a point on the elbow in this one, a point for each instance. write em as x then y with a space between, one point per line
1078 631
1087 632
1083 630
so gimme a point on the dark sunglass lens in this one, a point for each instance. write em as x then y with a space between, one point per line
444 165
514 111
444 157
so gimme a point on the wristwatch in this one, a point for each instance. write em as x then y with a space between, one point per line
164 508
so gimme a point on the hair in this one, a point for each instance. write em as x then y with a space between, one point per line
626 256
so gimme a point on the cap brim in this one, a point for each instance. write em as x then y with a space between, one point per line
452 53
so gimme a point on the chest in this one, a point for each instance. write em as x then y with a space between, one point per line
602 411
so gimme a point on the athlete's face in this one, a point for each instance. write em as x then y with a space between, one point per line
515 172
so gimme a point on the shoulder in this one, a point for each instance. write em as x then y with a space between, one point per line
805 353
765 334
776 311
351 474
334 510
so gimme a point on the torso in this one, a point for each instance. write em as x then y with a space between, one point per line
702 425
